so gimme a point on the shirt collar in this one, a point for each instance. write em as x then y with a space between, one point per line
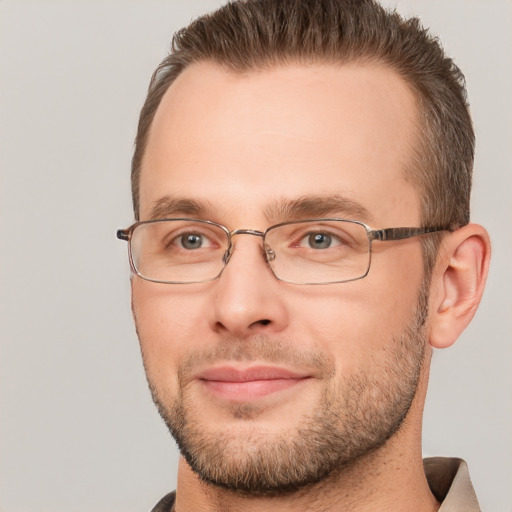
449 481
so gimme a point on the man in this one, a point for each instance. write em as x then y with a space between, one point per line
301 184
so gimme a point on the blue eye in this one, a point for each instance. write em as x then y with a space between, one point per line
319 240
191 241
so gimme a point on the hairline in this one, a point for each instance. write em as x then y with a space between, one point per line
411 164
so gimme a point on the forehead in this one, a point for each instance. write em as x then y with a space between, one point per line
241 141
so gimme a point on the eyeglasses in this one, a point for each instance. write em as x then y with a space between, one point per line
317 251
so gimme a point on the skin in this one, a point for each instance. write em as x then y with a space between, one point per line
240 144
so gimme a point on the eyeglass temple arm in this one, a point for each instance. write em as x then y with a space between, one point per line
123 234
402 233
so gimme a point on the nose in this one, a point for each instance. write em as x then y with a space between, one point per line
248 299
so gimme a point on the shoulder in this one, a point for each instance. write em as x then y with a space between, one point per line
166 504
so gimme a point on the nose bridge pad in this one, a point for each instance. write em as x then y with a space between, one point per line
269 253
227 254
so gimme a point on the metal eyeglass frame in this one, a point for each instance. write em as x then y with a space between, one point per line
383 235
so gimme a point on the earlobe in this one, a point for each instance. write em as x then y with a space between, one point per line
458 283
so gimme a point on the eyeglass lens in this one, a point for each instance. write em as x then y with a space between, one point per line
187 251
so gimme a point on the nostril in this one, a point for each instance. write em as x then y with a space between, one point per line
264 321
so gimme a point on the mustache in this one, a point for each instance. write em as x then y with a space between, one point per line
260 348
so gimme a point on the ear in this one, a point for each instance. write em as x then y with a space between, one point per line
458 283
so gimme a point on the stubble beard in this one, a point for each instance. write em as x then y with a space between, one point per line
353 417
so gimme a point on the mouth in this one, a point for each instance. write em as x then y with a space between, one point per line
248 384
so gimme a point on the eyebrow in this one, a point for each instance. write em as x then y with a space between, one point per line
317 207
305 207
169 206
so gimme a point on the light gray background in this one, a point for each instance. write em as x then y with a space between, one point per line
78 429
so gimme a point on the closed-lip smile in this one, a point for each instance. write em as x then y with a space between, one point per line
246 384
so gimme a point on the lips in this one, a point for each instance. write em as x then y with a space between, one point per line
250 383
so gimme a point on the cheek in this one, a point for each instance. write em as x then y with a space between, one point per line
356 322
167 325
338 325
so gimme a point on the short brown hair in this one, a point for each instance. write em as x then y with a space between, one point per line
256 34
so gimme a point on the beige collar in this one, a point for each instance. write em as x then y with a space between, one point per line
449 481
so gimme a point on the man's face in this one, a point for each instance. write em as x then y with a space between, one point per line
268 386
